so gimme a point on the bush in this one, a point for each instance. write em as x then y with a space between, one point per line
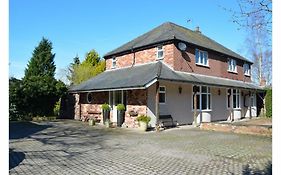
143 118
105 107
268 103
57 108
121 107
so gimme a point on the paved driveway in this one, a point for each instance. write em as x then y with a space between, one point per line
72 147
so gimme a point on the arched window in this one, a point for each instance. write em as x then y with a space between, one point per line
89 97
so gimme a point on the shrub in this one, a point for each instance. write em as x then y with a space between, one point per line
120 107
57 108
268 103
143 118
105 107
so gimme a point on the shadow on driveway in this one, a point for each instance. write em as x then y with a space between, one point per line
18 130
15 158
268 170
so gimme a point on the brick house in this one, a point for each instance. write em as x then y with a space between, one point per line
166 70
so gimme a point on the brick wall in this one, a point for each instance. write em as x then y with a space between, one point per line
185 61
141 57
99 98
136 101
182 61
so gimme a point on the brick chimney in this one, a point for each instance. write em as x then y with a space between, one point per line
197 29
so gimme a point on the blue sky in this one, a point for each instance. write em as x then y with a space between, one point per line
77 26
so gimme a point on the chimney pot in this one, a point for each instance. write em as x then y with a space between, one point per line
197 29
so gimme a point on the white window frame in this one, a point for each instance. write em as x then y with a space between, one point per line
200 93
232 65
159 50
114 61
237 94
162 92
247 69
203 59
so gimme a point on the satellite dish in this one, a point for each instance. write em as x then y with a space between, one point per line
182 46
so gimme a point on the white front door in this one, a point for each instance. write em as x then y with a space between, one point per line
115 98
253 107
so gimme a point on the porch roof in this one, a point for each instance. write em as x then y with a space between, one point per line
142 76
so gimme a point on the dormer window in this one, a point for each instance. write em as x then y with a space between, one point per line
247 69
201 57
159 52
113 62
232 65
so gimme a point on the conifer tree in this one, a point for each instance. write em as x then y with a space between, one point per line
42 61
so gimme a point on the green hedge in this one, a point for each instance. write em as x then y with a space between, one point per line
268 103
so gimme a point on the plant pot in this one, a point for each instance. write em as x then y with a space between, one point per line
143 126
120 118
92 122
105 115
107 124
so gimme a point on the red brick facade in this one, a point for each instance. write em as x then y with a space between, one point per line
83 106
183 61
136 101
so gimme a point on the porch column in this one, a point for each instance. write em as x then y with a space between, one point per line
231 106
157 106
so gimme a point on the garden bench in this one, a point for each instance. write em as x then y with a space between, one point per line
167 121
92 115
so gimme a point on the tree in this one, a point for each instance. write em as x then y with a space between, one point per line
70 69
15 99
86 71
40 90
91 66
255 17
42 61
260 10
92 58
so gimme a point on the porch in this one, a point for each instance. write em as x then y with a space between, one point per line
155 90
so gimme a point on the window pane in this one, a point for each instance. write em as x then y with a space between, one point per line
198 101
159 47
160 54
205 58
234 91
238 101
162 89
234 101
209 101
204 101
201 57
228 101
162 98
204 89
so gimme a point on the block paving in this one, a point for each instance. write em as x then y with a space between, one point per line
72 147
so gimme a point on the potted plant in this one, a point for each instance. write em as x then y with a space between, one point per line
143 122
120 114
107 123
105 112
92 122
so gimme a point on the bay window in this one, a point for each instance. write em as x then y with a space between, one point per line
203 97
235 94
